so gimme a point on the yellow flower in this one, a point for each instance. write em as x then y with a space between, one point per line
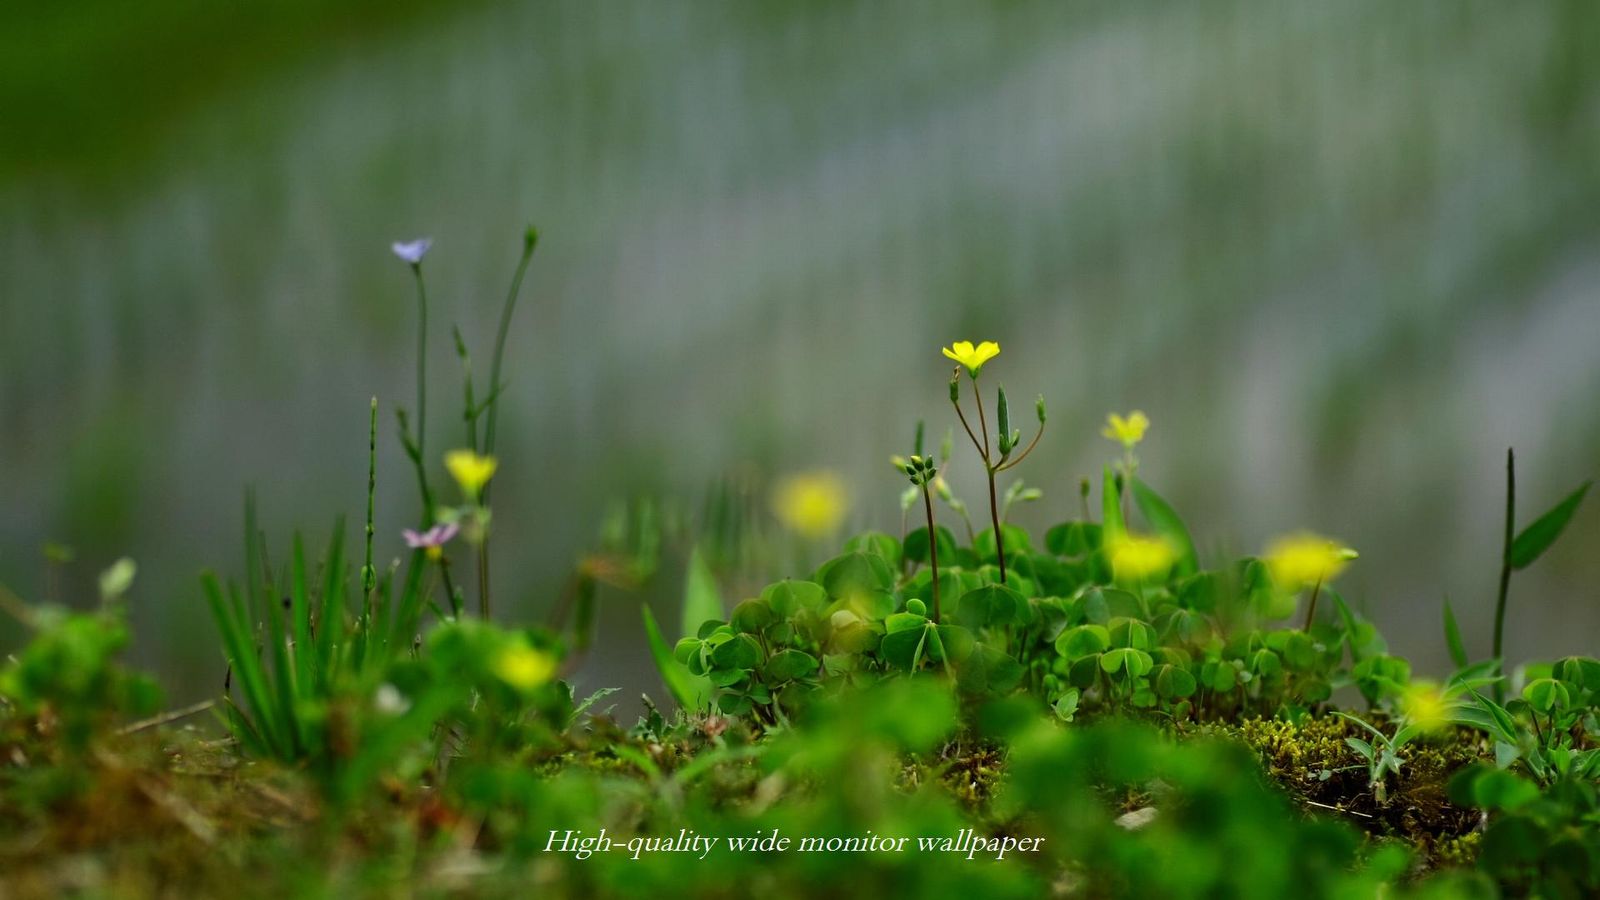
1425 706
1126 431
470 470
812 504
1303 560
523 667
1136 558
973 358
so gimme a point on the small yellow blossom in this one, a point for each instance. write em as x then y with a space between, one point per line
1126 431
1425 706
972 357
1136 558
1304 560
812 504
470 470
523 667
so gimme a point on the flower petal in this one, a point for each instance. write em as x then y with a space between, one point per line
412 251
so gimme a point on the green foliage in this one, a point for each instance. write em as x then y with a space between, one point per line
1541 843
1192 644
68 679
1551 730
1534 540
919 688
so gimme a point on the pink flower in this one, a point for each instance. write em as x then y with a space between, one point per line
432 540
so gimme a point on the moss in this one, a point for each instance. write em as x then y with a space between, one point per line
1311 761
1457 851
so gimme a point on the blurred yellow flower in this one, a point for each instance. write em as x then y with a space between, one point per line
812 504
1425 706
523 667
972 357
1305 559
1136 557
1126 431
470 470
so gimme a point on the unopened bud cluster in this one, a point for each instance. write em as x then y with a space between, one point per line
920 469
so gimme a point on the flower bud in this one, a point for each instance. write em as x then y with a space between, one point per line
1003 412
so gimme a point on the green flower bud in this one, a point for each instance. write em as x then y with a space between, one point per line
916 607
1039 407
1003 411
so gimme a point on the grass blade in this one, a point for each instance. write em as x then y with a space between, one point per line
1452 637
1164 519
1537 538
691 692
701 600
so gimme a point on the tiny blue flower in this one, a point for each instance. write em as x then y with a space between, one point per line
412 251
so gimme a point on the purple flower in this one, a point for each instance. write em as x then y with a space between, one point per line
432 540
412 251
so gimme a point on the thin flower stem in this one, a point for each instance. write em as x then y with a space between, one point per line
471 411
449 587
493 401
1029 449
500 344
989 470
414 453
933 549
1311 608
983 423
994 517
982 451
483 577
1505 565
369 577
422 360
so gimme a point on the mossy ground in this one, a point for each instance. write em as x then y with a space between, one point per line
1311 761
178 812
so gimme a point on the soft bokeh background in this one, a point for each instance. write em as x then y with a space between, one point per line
1343 254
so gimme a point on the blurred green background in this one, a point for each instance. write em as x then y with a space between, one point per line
1342 254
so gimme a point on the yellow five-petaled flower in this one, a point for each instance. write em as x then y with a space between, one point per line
1137 558
1426 706
1305 560
972 357
470 470
523 667
813 504
1128 430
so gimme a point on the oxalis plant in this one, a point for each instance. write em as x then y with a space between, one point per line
972 359
1118 614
